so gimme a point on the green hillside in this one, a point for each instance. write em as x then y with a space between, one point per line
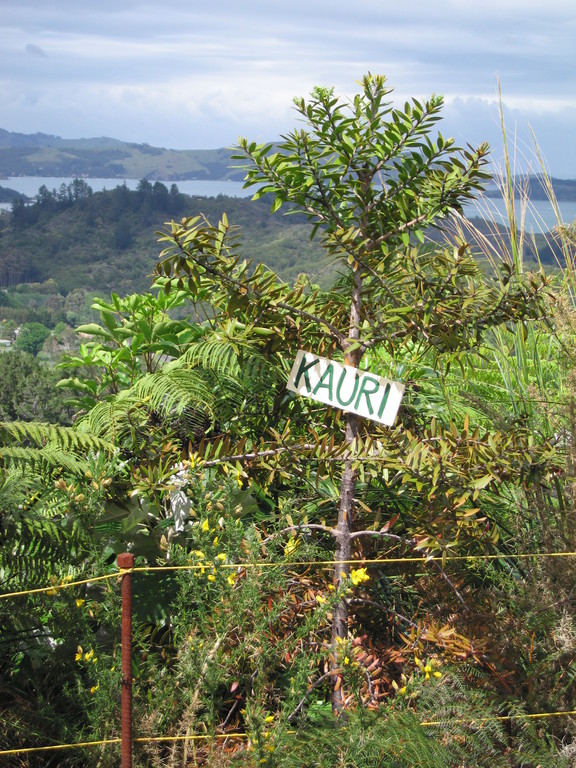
72 245
107 241
43 155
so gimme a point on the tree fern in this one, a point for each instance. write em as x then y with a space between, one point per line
177 389
37 529
39 459
49 436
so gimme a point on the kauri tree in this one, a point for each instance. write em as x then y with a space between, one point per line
372 178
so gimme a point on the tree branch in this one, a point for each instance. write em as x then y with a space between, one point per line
218 274
258 454
383 608
313 687
302 527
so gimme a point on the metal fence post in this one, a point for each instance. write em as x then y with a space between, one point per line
125 562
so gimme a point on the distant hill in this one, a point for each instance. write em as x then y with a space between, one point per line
7 195
70 245
535 188
40 154
105 241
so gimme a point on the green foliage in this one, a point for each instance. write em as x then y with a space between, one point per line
46 494
363 165
29 391
136 337
110 242
191 453
31 337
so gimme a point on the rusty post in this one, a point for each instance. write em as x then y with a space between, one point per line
125 562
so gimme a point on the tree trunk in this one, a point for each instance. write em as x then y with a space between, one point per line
346 509
342 566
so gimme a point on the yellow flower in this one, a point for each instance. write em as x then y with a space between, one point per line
211 577
94 688
358 576
437 674
51 592
215 540
205 526
79 654
291 545
231 580
346 660
221 557
269 719
79 602
320 599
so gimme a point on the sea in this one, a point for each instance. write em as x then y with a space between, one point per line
538 215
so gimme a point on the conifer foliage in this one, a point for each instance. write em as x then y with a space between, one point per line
371 178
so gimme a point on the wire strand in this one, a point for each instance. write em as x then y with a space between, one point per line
235 735
292 564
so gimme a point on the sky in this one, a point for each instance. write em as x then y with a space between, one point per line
181 74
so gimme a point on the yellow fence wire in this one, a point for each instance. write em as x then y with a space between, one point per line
225 736
290 564
286 564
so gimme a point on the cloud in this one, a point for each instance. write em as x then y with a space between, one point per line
35 50
176 74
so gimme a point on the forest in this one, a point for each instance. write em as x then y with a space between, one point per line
105 241
311 587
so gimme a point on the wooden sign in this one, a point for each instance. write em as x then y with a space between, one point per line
342 386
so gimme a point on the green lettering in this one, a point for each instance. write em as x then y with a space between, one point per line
303 370
325 381
384 400
346 403
366 381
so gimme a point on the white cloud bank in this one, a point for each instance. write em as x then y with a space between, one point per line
173 75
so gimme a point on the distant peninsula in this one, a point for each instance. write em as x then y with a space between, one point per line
40 154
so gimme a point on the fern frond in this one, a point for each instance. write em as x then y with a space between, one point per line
71 439
177 389
108 419
33 541
236 358
40 460
217 354
35 548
